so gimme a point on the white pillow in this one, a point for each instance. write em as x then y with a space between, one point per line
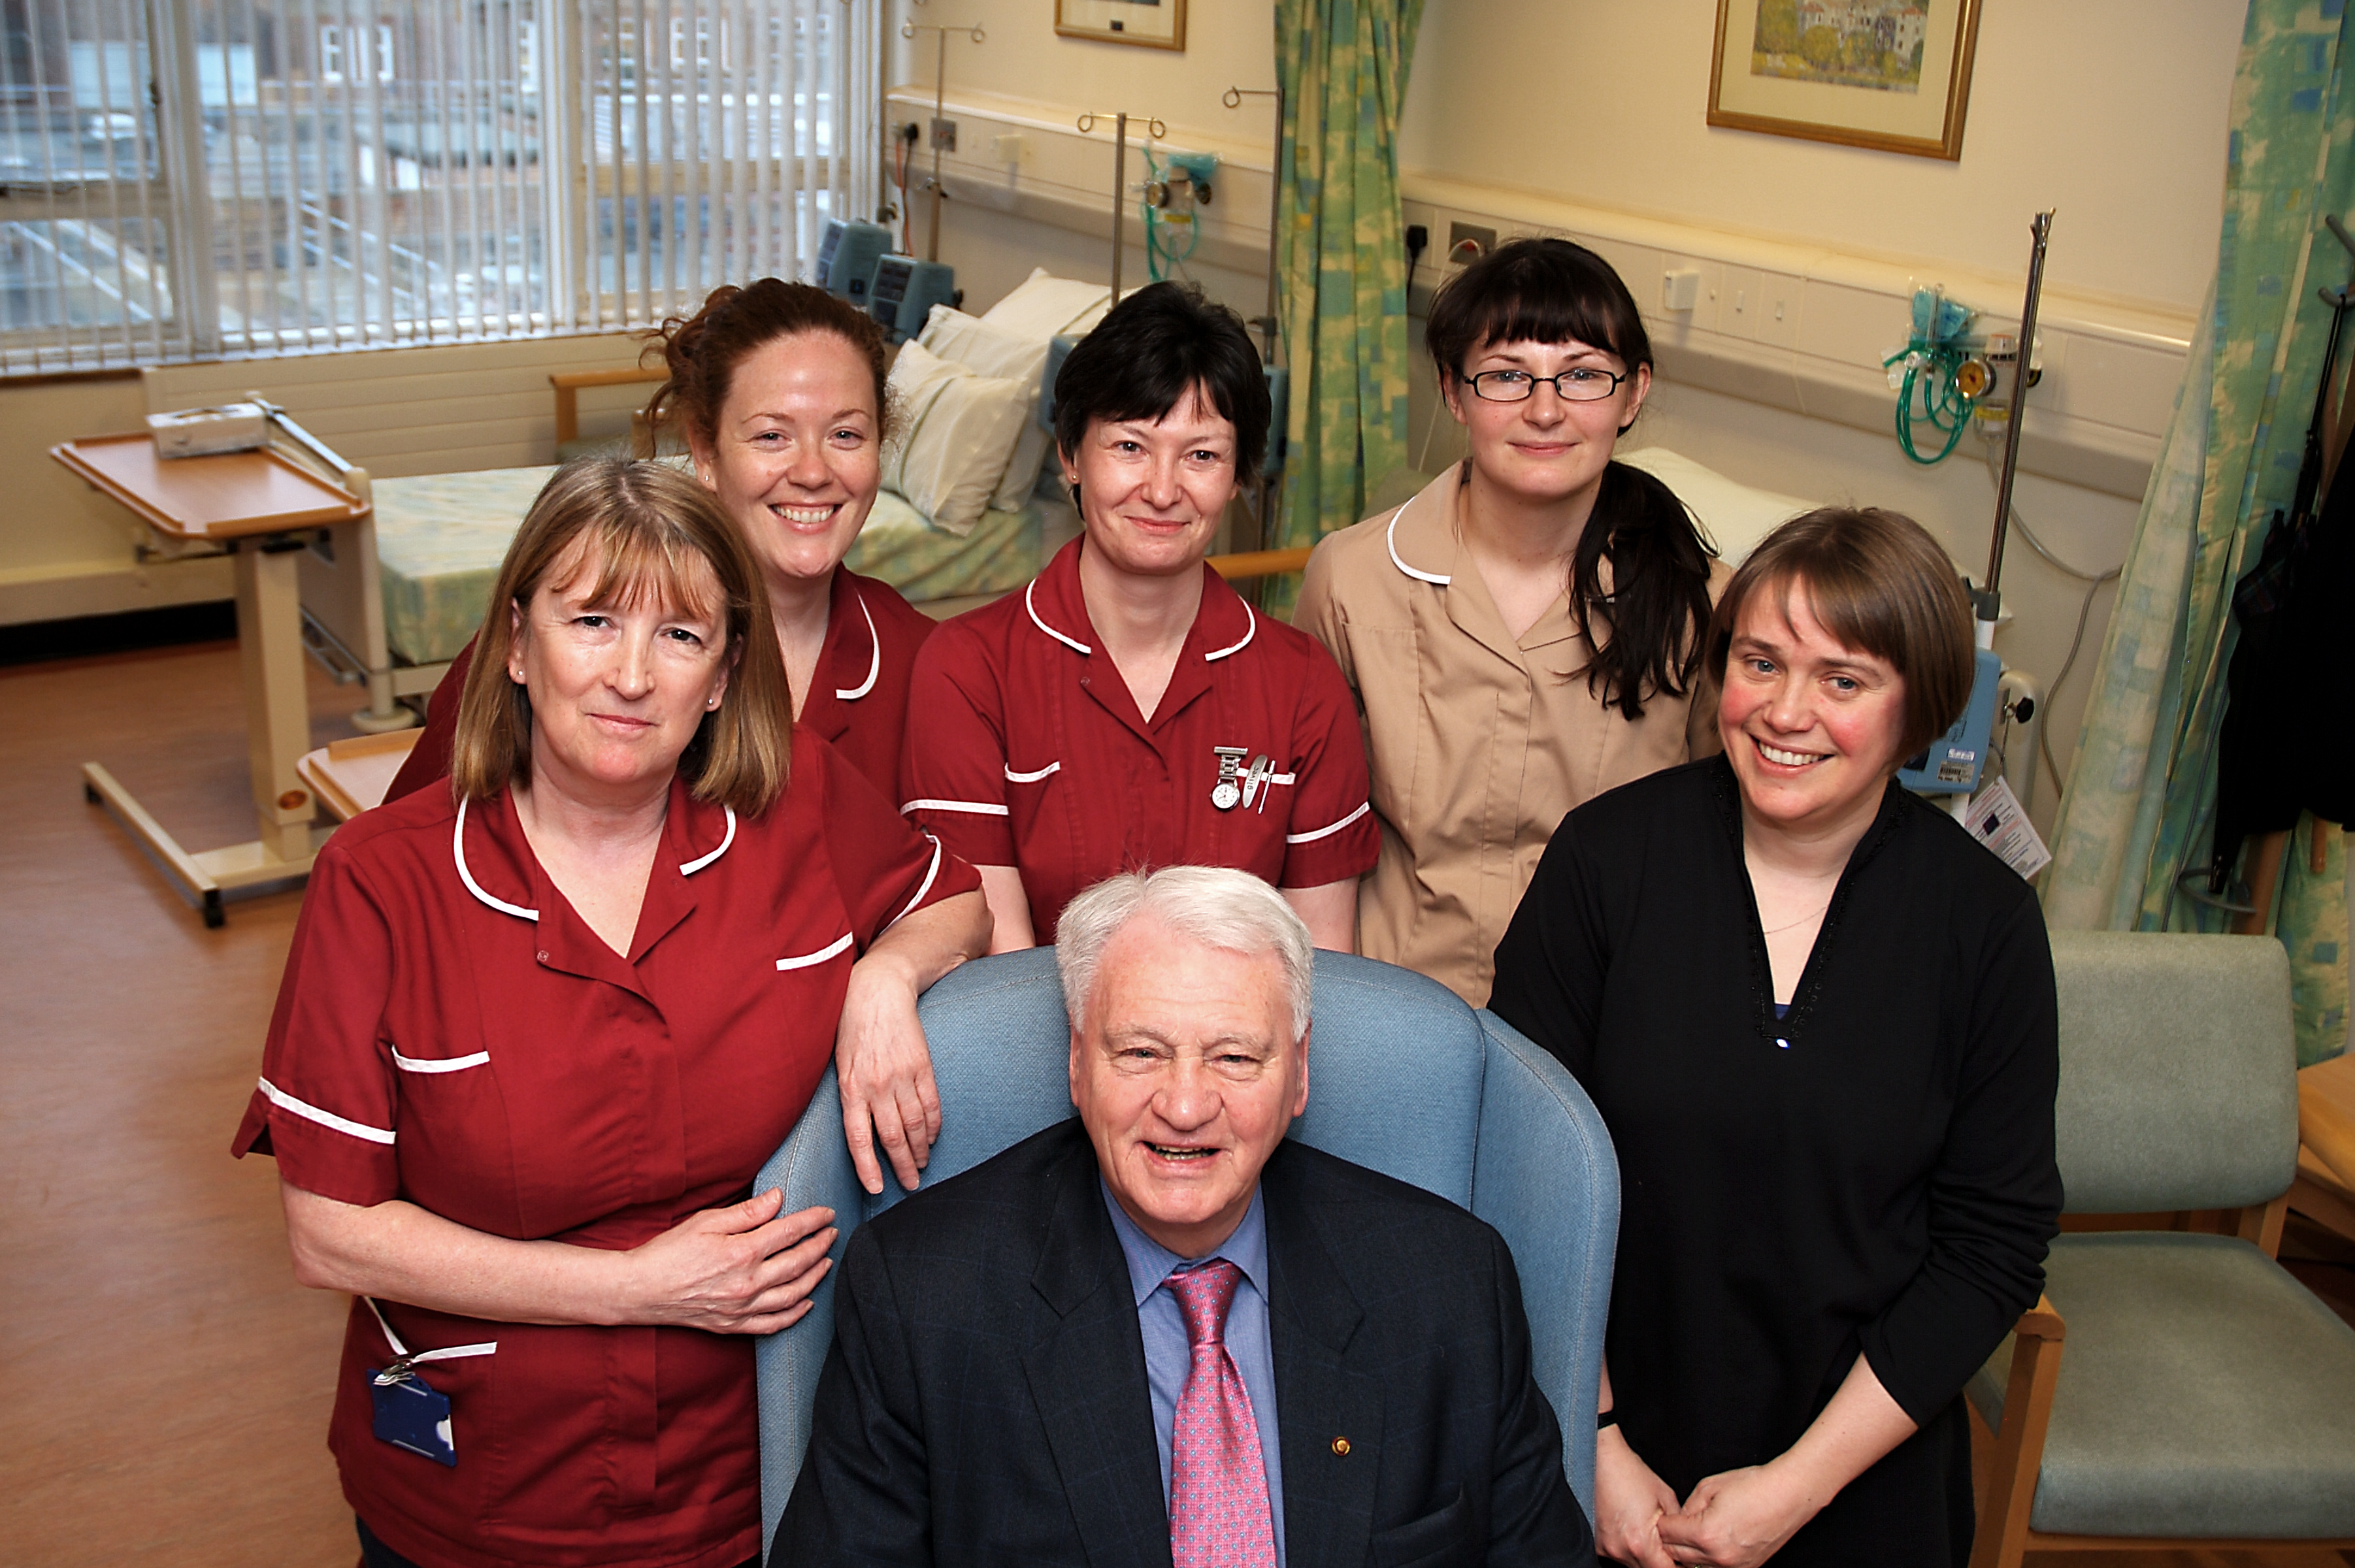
959 430
1737 516
1046 305
988 351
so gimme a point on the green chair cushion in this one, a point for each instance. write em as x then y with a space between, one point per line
2203 1392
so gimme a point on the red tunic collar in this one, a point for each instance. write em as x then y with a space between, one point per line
849 664
1223 624
490 854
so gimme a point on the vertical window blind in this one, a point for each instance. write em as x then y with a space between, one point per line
186 178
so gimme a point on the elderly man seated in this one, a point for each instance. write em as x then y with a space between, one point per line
1160 1333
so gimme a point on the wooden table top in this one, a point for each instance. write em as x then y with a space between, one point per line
229 494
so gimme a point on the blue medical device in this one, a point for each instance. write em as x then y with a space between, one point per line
1951 764
905 291
847 258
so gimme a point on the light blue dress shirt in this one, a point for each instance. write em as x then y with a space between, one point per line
1169 1354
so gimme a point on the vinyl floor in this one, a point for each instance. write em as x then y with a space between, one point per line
164 1384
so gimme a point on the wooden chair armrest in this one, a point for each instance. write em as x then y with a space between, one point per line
2326 1116
2041 1322
563 379
1261 562
567 385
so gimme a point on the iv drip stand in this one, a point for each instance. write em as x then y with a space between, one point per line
1989 601
1264 523
1153 128
940 112
1233 99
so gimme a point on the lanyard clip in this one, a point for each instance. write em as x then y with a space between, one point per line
399 1370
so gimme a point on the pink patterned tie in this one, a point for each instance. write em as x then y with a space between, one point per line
1218 1480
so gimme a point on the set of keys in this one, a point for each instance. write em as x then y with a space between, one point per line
1239 786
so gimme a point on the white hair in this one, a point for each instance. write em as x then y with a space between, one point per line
1230 910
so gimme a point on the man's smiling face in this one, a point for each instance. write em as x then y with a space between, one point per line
1186 1076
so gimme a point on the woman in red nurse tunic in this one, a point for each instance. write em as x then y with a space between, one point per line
1128 709
778 390
534 1042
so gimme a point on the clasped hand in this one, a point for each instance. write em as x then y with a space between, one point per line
1736 1520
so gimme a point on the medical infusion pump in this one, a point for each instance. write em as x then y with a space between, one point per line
905 291
847 259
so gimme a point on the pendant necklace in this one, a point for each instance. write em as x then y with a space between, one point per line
1778 930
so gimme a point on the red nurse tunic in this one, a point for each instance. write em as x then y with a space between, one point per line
449 1033
858 700
1025 747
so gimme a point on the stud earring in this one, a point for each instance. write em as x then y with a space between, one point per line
713 704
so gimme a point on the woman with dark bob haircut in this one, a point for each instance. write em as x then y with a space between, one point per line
1127 710
1526 633
540 1031
1818 1018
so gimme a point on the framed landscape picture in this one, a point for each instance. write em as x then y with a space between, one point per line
1156 23
1890 74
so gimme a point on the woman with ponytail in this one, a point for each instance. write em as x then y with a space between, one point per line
1526 633
779 391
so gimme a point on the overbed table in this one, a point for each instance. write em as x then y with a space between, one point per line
264 508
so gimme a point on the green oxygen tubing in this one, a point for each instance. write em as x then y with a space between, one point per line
1935 390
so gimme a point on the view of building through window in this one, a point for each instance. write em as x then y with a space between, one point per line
201 176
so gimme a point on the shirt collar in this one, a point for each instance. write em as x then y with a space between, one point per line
1223 624
1150 1263
1421 533
493 858
854 652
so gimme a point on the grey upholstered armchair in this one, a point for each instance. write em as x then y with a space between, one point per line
1403 1078
2175 1387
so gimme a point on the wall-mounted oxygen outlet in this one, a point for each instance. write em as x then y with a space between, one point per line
1469 241
1681 290
943 134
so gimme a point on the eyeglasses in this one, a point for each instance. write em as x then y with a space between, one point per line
1579 384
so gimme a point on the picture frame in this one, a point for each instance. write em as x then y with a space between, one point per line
1890 75
1149 23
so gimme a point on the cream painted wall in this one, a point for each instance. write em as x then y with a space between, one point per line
1228 43
65 549
2112 111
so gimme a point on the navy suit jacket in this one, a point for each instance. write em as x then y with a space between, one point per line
985 1402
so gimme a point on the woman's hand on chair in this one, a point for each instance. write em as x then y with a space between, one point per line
1629 1501
743 1269
885 1071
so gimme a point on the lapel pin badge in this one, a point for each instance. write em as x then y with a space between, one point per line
1341 1446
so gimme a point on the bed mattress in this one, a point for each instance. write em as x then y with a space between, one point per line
440 539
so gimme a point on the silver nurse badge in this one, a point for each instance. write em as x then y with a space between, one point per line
1227 793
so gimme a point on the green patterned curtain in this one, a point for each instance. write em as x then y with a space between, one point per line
2140 796
1341 258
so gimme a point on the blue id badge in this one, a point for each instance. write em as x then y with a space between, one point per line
410 1413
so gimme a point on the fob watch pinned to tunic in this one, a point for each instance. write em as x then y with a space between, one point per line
1227 793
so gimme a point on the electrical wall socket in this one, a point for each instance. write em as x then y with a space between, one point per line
1680 289
1457 233
945 134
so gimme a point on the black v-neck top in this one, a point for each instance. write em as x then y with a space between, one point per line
1872 1172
